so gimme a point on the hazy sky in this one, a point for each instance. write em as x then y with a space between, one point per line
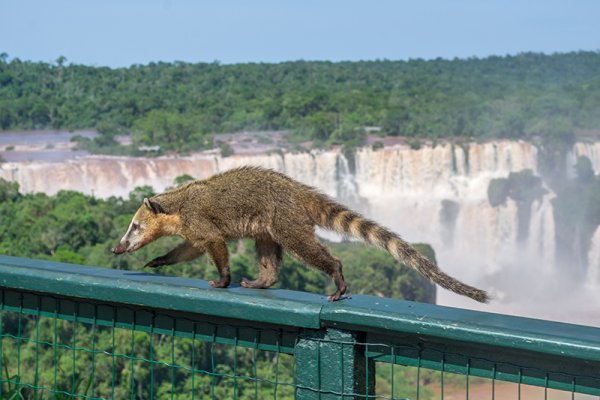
124 32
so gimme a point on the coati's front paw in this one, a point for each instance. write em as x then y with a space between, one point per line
157 262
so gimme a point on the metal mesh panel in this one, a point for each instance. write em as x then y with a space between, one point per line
136 355
76 332
394 372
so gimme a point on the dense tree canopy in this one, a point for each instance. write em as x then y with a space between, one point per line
75 228
180 103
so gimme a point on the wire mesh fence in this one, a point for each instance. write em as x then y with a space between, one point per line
472 378
45 356
54 346
70 349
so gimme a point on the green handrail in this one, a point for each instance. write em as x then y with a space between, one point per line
362 330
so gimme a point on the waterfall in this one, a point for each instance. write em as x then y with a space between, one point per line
541 244
593 275
435 194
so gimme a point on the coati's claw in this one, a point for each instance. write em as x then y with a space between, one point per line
334 297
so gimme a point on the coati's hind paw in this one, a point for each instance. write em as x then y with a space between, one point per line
334 297
257 284
338 294
219 284
245 282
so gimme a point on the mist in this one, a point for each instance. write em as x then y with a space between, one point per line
437 194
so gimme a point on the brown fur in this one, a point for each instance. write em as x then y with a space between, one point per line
275 210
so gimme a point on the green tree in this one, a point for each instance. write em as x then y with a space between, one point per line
179 106
181 179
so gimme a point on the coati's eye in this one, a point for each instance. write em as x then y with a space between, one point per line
135 226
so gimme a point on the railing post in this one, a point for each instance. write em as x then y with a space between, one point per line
331 364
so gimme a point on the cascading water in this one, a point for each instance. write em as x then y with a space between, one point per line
435 194
593 277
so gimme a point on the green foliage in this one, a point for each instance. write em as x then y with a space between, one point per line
405 382
372 271
75 228
64 254
170 130
226 149
9 191
377 145
104 144
556 141
348 135
181 179
298 276
179 105
137 195
14 390
414 143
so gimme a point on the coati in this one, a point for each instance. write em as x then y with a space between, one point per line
278 213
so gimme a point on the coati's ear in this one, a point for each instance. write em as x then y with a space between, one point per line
153 206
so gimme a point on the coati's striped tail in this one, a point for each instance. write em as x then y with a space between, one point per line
336 217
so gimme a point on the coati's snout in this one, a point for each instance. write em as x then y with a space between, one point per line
126 245
132 240
148 224
120 248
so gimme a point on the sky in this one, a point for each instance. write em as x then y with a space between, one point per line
120 33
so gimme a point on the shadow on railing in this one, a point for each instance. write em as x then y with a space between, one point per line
69 331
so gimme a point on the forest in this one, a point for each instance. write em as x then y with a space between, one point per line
75 228
181 106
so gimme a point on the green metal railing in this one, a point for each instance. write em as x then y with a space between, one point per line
70 331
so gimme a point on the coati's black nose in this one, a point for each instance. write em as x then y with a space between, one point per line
120 248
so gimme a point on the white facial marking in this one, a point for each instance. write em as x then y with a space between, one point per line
132 236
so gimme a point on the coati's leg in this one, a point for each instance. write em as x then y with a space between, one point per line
220 255
269 259
303 243
186 251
